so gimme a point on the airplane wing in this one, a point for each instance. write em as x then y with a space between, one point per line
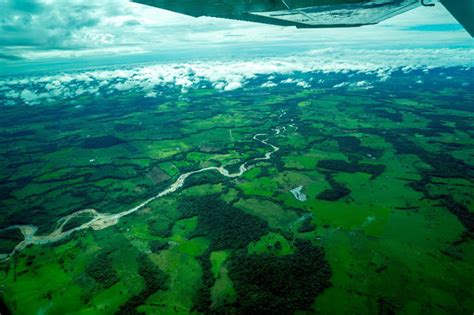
311 13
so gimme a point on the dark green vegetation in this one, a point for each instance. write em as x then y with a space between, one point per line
224 225
157 246
343 166
154 279
306 225
101 142
387 225
9 239
102 271
336 192
279 285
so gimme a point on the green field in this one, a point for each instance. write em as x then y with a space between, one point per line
386 228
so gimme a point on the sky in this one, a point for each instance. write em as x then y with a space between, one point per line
43 34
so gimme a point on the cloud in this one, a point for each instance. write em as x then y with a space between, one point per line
342 84
54 29
303 84
28 96
45 25
269 84
30 26
233 86
303 70
31 6
298 82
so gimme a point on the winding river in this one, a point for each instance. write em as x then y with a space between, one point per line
101 221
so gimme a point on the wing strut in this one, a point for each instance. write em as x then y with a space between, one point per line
463 12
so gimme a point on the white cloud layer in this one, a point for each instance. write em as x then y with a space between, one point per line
229 75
